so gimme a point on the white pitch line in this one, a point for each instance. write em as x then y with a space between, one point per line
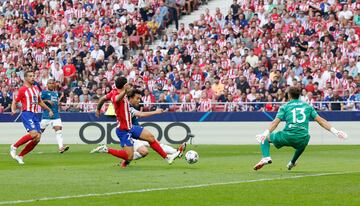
171 188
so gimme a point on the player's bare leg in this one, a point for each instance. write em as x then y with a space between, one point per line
154 144
265 150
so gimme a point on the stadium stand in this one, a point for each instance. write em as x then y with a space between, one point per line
239 59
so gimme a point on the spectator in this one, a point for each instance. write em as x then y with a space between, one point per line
172 97
85 95
269 106
252 59
107 49
231 104
5 102
336 106
224 96
252 95
217 87
209 91
204 103
97 56
242 84
257 107
163 103
57 72
349 99
177 82
189 105
148 100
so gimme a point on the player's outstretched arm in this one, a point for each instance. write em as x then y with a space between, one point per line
123 92
120 96
148 114
326 125
100 104
13 106
261 137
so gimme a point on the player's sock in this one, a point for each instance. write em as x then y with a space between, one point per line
297 154
265 148
168 149
118 153
23 140
156 146
59 138
28 148
137 156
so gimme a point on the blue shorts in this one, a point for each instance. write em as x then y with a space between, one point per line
30 121
126 136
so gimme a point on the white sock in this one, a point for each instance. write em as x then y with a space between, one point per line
59 138
137 156
168 149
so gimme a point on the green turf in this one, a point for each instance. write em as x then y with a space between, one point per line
49 174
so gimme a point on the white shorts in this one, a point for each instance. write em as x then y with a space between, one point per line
140 143
54 122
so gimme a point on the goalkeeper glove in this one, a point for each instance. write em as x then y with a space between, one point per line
261 137
340 134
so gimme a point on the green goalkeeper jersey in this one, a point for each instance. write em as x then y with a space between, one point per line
297 115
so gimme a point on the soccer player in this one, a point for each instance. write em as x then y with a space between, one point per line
51 98
297 115
126 131
140 147
29 96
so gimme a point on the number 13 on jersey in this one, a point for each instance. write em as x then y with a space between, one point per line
298 115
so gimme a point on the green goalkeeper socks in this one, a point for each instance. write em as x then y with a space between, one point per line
265 148
297 154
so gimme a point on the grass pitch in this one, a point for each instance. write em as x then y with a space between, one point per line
325 175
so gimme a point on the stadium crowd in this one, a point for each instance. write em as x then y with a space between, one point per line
244 58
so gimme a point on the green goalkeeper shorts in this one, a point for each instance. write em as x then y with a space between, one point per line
281 138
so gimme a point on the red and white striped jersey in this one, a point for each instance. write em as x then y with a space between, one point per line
335 82
79 12
122 110
346 85
147 100
29 98
205 105
230 106
39 57
188 106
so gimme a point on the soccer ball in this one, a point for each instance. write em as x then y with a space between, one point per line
191 157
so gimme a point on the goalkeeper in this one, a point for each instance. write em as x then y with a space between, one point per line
297 115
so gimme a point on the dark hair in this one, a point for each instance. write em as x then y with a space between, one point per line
294 92
27 72
133 92
120 82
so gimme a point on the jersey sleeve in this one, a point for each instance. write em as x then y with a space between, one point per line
313 113
20 95
133 111
281 113
43 95
109 95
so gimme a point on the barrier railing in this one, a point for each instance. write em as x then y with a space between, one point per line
215 106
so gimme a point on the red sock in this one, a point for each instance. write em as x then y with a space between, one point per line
23 140
118 153
28 148
156 146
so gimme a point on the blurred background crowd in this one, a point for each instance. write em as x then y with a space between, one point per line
240 59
